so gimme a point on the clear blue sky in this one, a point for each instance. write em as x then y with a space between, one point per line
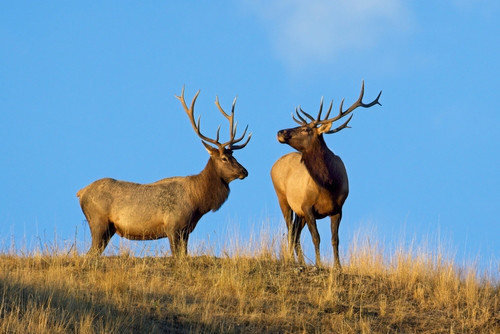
87 91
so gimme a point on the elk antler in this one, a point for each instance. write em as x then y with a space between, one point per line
341 114
232 127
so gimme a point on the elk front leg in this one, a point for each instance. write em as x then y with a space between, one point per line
174 242
298 225
335 223
184 243
288 215
178 243
311 224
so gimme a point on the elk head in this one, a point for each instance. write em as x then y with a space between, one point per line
227 167
311 129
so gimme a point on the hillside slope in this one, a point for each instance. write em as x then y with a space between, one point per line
61 294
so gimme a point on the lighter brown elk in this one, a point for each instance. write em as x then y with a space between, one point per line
312 183
170 207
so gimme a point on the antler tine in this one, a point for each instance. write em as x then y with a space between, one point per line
329 109
233 133
232 128
320 110
190 113
302 120
230 118
217 134
341 107
234 104
297 121
183 102
237 147
307 115
343 126
358 103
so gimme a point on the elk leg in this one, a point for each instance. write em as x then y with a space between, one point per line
335 223
175 244
311 224
184 242
298 225
101 234
288 215
178 243
292 233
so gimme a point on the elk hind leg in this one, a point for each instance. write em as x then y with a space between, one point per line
101 232
335 223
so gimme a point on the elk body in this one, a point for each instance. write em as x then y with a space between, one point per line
312 183
170 207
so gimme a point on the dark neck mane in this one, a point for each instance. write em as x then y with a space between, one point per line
316 160
210 190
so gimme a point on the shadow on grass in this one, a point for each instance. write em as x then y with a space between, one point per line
52 307
57 309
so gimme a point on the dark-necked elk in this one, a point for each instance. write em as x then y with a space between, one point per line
312 183
170 207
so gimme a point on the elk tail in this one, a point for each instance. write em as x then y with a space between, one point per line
80 192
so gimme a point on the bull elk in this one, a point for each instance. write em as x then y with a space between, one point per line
312 183
170 207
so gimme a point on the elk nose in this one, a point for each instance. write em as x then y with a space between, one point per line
282 136
244 173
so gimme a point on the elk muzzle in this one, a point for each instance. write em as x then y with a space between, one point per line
243 173
283 136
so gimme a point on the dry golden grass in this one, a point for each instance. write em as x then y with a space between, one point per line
250 290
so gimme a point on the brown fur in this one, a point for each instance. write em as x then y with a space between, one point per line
169 207
312 184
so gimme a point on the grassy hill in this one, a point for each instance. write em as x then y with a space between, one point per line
244 293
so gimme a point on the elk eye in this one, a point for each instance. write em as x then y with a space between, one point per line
225 159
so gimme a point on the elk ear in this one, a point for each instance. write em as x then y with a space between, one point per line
325 127
211 150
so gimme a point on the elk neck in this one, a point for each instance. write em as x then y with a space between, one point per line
318 160
210 189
